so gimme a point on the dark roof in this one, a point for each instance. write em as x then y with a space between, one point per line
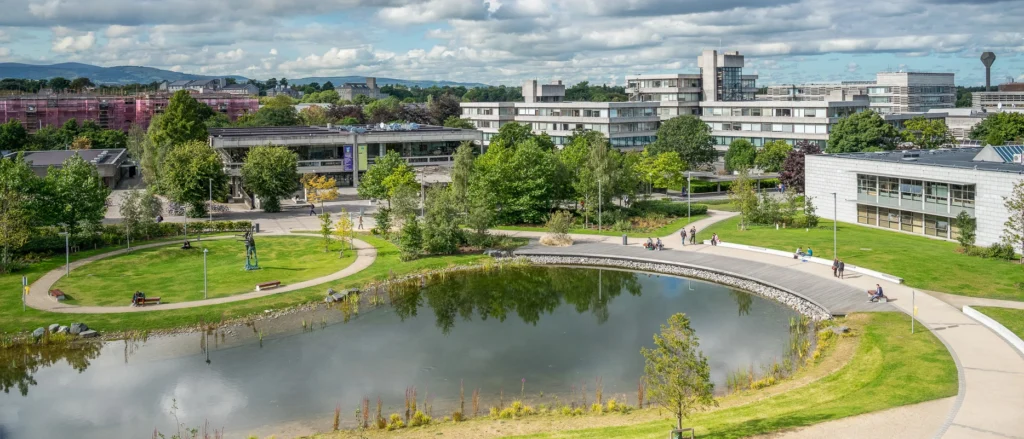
56 158
948 157
324 131
1006 152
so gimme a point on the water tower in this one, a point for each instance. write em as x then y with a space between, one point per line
987 59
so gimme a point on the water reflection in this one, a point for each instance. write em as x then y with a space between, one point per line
529 292
19 363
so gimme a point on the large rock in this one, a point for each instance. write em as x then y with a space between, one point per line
39 332
62 329
54 327
78 328
89 334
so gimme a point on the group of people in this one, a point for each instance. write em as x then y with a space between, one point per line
838 266
693 236
801 253
138 298
652 245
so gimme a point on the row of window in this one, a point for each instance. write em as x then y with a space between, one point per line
474 111
760 141
912 222
777 112
660 83
770 127
671 97
887 189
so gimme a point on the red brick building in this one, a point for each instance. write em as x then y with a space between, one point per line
109 112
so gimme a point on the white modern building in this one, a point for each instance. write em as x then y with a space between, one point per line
889 93
764 121
917 191
626 124
721 78
998 101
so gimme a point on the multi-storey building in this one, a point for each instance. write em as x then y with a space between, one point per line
889 93
350 90
625 124
193 85
764 121
721 78
1010 97
109 112
241 89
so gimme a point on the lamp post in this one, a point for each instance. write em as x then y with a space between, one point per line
835 221
687 194
210 208
67 253
599 203
206 287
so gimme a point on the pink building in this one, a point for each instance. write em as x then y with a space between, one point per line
110 112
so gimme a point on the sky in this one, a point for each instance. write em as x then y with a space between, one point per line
509 41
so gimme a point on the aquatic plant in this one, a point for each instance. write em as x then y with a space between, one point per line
599 389
366 413
596 409
381 422
337 417
396 422
457 416
640 393
419 419
462 399
476 402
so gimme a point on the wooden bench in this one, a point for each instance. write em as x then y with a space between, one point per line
149 300
57 295
268 285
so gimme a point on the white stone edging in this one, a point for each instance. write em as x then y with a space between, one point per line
996 327
867 272
791 299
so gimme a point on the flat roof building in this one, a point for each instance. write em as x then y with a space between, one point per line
763 121
918 191
339 151
998 101
889 93
108 162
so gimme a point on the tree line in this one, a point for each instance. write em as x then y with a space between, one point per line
71 135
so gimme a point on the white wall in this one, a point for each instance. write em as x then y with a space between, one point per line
825 174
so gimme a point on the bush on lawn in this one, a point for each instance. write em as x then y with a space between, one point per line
48 241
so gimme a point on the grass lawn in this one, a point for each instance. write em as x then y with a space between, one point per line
887 359
13 319
1012 319
176 275
665 230
724 205
924 263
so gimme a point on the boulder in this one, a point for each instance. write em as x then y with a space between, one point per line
89 334
62 330
39 332
77 328
840 329
53 328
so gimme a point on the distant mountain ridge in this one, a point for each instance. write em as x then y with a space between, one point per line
144 75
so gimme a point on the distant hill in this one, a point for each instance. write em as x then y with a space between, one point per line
145 75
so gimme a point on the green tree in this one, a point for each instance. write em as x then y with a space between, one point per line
458 122
13 136
45 139
18 186
441 231
790 206
1001 126
792 175
740 155
664 170
271 172
1013 228
314 115
181 122
320 189
676 372
405 200
190 170
387 174
58 83
135 141
810 212
344 231
926 133
326 229
462 171
743 194
688 136
443 107
518 181
513 134
772 156
74 195
861 131
383 110
81 83
968 229
138 209
383 219
410 244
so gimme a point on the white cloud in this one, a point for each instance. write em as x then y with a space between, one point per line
4 52
73 43
273 52
435 10
117 30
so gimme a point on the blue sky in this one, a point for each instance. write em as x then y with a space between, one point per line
508 41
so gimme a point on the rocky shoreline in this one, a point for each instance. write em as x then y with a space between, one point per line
790 299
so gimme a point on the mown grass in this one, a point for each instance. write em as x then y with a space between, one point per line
890 368
667 229
176 275
922 262
13 319
1012 319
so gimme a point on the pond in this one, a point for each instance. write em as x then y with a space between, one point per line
510 333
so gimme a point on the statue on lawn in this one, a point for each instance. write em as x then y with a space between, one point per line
251 261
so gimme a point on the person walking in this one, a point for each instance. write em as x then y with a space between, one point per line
312 209
682 233
842 266
360 221
835 267
714 239
693 235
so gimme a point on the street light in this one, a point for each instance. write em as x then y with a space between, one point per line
206 287
687 194
67 253
210 208
835 221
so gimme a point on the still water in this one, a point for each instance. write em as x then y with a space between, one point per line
559 329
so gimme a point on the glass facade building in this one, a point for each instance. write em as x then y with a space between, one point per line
912 205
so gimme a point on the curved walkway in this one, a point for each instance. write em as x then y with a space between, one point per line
39 298
991 397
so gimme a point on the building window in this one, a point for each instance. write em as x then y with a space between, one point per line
936 226
877 90
937 194
911 191
888 190
783 112
962 195
867 185
889 218
879 99
911 222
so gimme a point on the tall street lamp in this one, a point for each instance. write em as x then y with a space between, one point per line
687 194
67 253
210 208
206 285
835 221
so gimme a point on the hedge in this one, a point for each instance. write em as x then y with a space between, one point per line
47 240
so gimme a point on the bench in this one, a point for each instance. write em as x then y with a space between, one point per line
268 285
149 300
57 295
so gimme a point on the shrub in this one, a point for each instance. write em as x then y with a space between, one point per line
597 409
396 422
419 419
665 207
457 416
559 223
1001 250
566 411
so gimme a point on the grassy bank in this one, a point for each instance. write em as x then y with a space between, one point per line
873 375
176 275
667 229
922 262
13 319
1012 319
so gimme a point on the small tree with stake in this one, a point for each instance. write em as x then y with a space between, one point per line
968 228
676 371
1013 228
325 230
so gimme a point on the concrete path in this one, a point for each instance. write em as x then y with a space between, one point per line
990 401
39 298
960 302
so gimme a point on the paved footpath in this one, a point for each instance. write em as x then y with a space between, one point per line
990 403
39 298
